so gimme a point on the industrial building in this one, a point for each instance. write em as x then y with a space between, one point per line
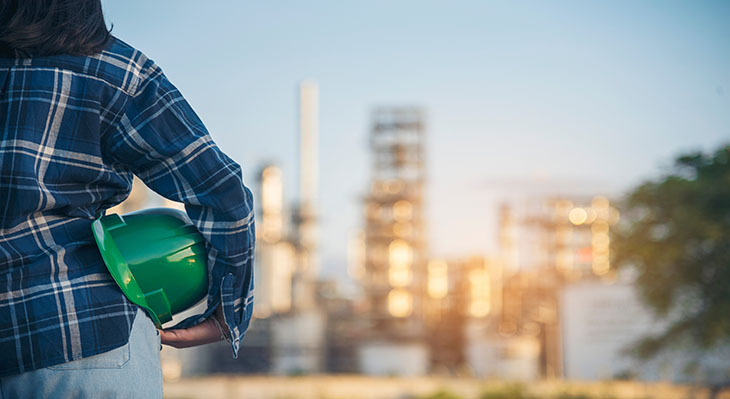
547 304
545 245
394 279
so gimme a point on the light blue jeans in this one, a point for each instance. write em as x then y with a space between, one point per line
131 371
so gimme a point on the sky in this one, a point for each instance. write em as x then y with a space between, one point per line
522 97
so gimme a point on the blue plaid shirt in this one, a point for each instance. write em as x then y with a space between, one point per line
73 131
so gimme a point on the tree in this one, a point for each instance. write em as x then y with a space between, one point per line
676 232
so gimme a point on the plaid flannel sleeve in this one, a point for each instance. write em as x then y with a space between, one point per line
161 140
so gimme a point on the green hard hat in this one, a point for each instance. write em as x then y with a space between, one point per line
157 257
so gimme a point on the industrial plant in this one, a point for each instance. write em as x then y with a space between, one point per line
546 304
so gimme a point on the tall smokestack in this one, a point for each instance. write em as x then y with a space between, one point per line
308 265
308 136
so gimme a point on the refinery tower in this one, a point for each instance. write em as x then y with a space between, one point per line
394 277
305 218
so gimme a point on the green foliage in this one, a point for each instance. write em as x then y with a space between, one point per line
576 396
512 391
676 232
442 395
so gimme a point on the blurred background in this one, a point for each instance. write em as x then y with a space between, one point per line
464 199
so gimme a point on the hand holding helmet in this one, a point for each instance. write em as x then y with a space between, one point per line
158 259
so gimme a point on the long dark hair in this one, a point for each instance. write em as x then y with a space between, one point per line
34 28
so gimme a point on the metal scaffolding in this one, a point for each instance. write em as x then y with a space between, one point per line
395 232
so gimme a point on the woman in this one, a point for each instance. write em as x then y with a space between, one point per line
80 113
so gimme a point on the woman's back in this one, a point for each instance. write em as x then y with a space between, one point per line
56 177
74 129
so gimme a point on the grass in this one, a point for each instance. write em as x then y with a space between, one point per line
511 391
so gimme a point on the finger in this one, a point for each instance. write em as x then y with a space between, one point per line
172 338
200 334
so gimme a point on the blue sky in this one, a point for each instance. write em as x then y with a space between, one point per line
526 96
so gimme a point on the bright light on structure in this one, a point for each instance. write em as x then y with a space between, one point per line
271 189
400 303
563 207
399 277
600 240
272 222
613 216
479 308
480 292
600 202
600 244
591 215
400 258
400 254
578 216
402 211
564 259
599 227
601 267
438 279
601 205
571 252
402 229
